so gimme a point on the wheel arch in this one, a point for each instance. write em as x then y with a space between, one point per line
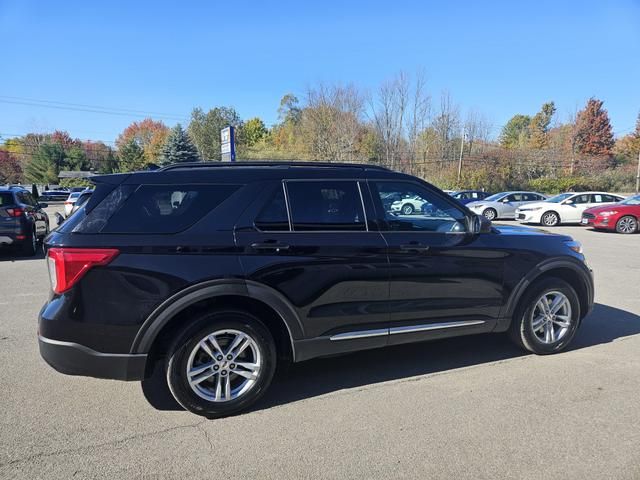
570 271
276 312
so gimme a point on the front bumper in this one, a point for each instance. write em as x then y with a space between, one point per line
75 359
598 222
528 216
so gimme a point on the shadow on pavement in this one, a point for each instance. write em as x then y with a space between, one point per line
320 376
9 254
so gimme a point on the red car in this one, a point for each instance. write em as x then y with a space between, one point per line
622 217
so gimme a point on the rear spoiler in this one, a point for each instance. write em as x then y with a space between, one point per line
111 179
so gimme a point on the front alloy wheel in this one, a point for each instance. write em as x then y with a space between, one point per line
550 219
490 214
547 317
627 225
221 364
407 209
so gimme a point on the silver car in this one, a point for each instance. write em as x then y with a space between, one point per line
504 204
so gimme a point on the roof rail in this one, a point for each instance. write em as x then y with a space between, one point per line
310 164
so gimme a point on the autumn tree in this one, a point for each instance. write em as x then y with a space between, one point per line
627 148
10 170
515 133
594 135
149 134
204 129
178 147
539 126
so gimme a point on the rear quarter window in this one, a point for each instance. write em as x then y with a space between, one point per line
6 198
158 209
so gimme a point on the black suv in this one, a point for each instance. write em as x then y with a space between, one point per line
214 272
22 220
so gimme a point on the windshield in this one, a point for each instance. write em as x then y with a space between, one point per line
635 200
559 198
495 197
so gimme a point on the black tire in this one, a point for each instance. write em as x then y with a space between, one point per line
186 342
30 245
407 209
490 214
521 330
627 224
550 219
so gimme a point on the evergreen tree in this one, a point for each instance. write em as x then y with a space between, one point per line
178 147
539 126
131 156
45 164
594 135
515 133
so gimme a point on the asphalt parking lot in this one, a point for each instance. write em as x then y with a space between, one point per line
472 407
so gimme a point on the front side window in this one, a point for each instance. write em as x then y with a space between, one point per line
409 207
579 199
325 205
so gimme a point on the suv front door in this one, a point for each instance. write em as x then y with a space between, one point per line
441 277
312 241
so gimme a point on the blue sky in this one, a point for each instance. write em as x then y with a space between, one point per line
499 58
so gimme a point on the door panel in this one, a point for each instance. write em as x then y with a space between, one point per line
438 275
336 280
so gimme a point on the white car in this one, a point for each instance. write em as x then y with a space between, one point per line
503 204
407 205
69 202
563 208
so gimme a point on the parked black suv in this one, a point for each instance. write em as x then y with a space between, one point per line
213 272
22 220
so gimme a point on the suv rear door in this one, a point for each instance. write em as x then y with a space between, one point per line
441 278
312 241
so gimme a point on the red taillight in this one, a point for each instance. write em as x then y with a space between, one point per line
68 265
15 212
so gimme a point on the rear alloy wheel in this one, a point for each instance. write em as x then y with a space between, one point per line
407 209
222 364
550 219
490 214
547 318
627 224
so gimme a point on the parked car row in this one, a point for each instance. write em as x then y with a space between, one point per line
595 209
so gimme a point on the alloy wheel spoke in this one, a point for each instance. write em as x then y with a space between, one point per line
203 344
199 374
213 341
537 323
236 341
562 323
242 347
227 387
218 394
557 304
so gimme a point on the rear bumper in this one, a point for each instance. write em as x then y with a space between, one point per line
75 359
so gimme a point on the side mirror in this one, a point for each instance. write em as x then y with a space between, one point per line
480 224
505 200
43 205
568 202
59 219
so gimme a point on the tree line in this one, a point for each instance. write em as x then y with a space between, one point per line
400 125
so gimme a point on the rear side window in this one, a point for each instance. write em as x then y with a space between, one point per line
325 205
166 208
6 198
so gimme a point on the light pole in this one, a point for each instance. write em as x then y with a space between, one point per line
460 159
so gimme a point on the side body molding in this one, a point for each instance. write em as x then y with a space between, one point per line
212 289
544 267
